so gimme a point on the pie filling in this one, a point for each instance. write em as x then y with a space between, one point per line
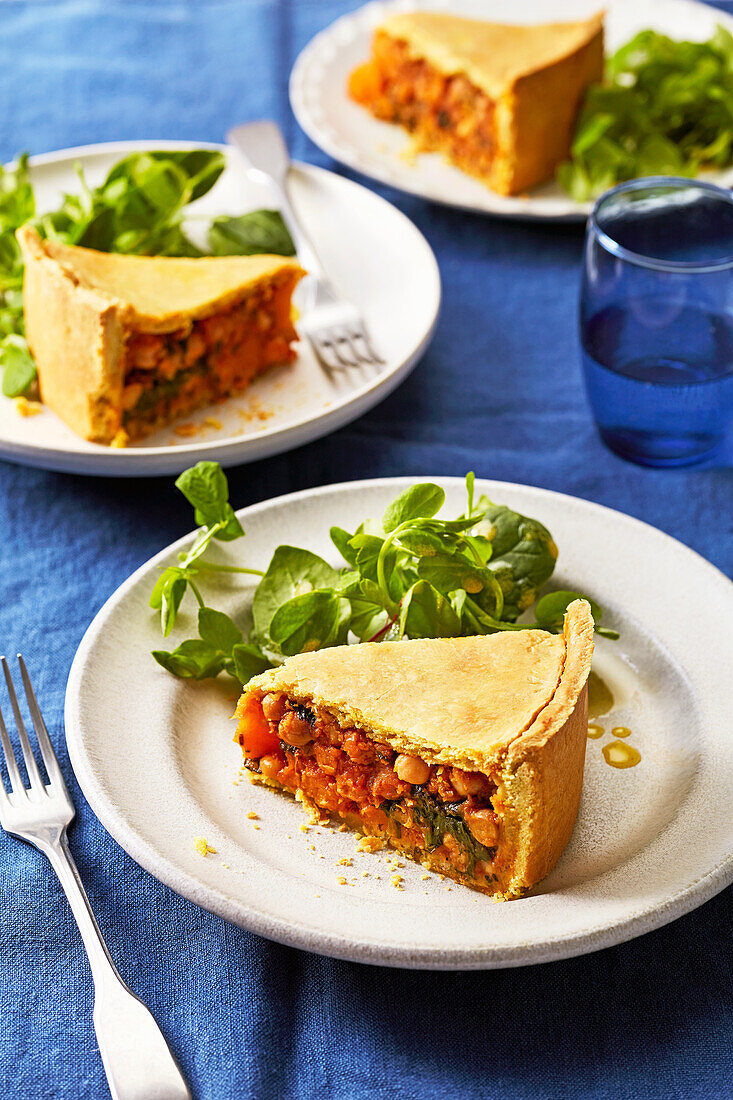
169 375
441 816
444 113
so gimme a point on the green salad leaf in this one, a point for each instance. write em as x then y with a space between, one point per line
410 575
247 234
19 370
665 108
139 208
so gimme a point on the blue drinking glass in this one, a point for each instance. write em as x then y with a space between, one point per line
656 319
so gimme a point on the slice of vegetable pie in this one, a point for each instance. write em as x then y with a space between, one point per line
499 101
125 344
466 754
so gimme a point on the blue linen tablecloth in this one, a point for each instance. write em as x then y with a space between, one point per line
499 392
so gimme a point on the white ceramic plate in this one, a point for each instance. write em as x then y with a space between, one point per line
349 133
373 253
155 759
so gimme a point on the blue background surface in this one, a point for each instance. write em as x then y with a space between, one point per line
499 392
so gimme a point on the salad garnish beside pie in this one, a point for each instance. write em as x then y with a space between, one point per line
465 754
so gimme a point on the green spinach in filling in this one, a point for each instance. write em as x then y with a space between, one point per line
438 819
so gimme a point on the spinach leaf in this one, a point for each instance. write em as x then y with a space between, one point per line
17 206
192 660
550 612
423 542
523 559
448 572
291 572
205 486
341 539
218 630
419 501
426 613
306 622
247 234
166 597
368 549
248 661
19 370
439 819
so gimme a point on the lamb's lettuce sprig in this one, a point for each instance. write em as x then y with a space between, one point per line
412 574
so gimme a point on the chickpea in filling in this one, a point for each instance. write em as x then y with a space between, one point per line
168 375
427 807
443 112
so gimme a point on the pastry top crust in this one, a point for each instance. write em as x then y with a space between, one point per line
156 293
578 638
492 55
463 701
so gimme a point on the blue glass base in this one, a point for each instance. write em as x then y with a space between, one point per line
656 450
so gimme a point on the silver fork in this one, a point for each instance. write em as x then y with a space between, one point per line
333 325
137 1061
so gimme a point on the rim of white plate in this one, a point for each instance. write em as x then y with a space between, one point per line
154 461
306 99
595 937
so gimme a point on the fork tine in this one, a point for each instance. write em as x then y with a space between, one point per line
358 332
336 339
47 751
318 352
362 359
323 349
30 761
10 762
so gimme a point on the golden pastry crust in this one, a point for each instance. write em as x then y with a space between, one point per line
542 772
536 119
512 706
81 306
450 700
77 337
494 56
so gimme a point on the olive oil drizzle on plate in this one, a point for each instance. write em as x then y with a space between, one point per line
620 755
617 754
600 697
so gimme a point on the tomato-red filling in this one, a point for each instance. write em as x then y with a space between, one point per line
447 113
421 807
171 374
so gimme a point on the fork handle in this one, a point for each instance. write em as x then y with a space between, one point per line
136 1057
262 147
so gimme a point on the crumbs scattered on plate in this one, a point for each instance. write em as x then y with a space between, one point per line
370 844
202 846
254 411
24 407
